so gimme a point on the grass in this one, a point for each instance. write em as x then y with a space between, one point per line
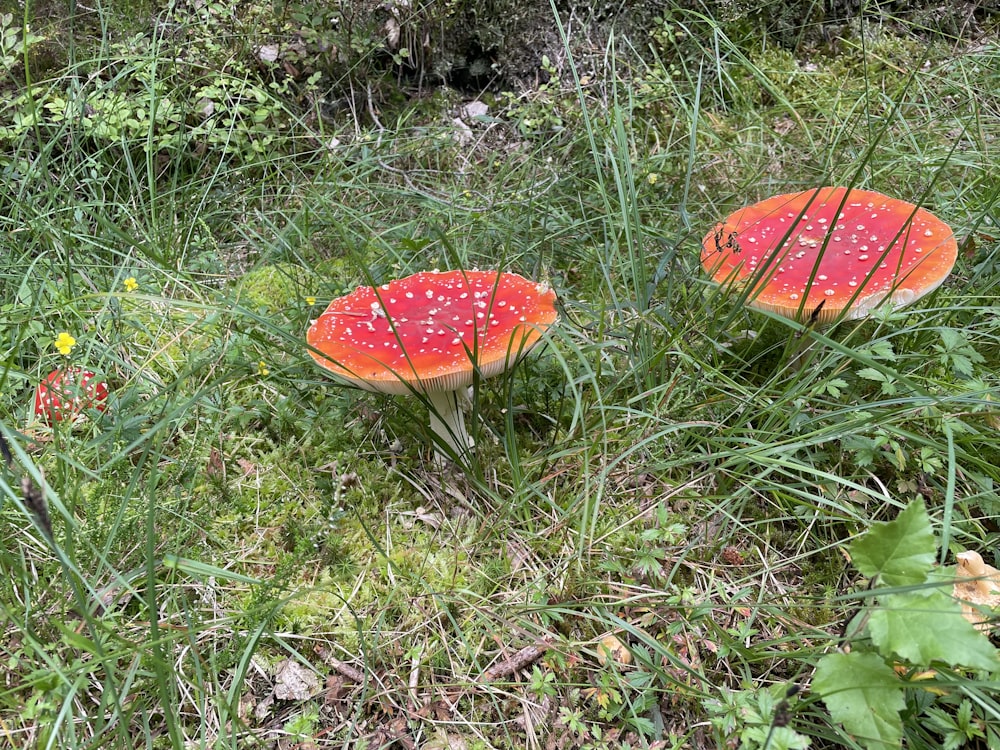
246 555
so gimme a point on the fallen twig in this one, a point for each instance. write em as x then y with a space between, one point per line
340 667
523 658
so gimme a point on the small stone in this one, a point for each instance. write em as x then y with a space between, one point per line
474 109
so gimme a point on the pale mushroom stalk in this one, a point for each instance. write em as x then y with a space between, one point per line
448 420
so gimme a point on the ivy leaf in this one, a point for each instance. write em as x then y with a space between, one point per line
864 694
900 551
922 627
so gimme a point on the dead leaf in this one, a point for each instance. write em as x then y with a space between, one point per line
337 688
294 682
422 514
440 710
216 468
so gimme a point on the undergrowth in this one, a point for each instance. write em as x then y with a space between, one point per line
666 527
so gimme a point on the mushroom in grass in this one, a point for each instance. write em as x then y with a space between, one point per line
430 333
66 393
977 587
830 253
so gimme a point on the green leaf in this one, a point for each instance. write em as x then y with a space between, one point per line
835 386
881 349
204 570
923 627
864 694
870 373
900 551
887 381
770 737
865 449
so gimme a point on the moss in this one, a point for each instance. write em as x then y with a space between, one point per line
816 85
312 608
278 286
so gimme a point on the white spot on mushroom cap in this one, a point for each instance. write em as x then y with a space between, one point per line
493 337
899 225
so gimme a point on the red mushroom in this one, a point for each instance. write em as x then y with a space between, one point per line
830 253
430 333
66 393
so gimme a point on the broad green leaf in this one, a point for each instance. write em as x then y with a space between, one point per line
927 626
863 694
900 551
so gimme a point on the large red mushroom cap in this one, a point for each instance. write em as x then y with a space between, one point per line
431 332
830 253
66 393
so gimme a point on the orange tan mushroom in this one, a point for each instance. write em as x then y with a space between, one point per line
977 587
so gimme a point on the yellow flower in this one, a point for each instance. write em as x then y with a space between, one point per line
652 177
131 284
64 343
262 369
310 300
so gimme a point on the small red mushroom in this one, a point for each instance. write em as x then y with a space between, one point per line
66 393
830 253
430 333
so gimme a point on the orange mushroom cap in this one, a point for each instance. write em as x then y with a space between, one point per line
430 331
830 253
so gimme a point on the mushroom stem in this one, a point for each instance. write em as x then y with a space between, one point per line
448 421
